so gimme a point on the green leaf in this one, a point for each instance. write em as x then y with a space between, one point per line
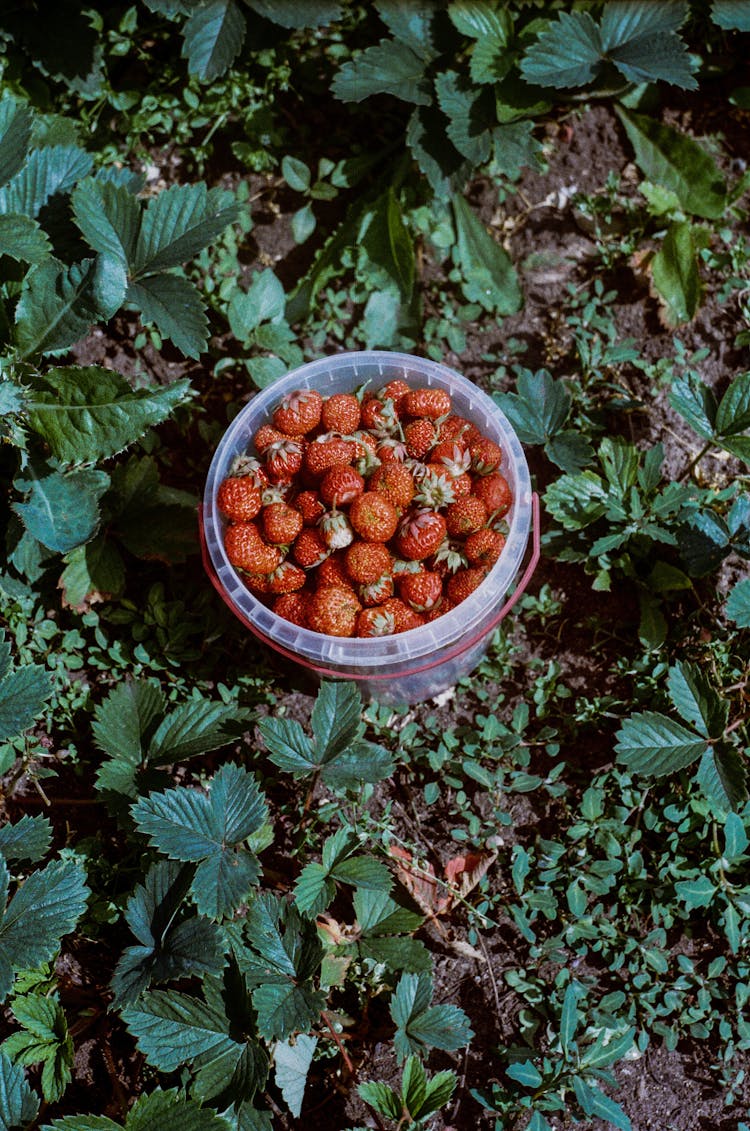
23 694
286 1008
289 747
22 239
90 413
335 718
732 15
489 276
695 403
96 569
297 13
172 1029
538 409
735 836
704 542
413 1085
381 1098
48 171
524 1072
606 1108
737 607
568 53
177 224
388 243
733 413
56 307
420 1025
440 1088
577 500
670 158
696 700
18 1103
695 893
109 217
164 1109
470 115
722 775
61 509
480 20
292 1066
46 907
569 1016
361 762
28 838
175 307
649 743
674 271
43 1039
263 302
195 727
214 35
15 132
605 1052
121 725
296 173
389 67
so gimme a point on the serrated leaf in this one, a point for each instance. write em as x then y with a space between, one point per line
23 694
313 890
737 607
489 276
440 1088
22 239
640 39
568 53
360 762
43 1040
577 500
286 1008
480 20
109 216
177 224
420 1025
674 271
195 727
173 1028
569 450
169 1109
214 34
28 838
704 542
46 172
56 307
297 13
122 722
18 1103
722 775
413 1085
650 743
538 409
89 413
292 1066
670 158
733 413
380 1097
289 747
696 700
388 243
389 67
92 573
378 914
335 718
470 115
695 403
731 15
61 509
441 163
41 912
175 307
15 132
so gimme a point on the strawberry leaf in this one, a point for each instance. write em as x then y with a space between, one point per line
420 1025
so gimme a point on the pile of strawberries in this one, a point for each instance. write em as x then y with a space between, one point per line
365 514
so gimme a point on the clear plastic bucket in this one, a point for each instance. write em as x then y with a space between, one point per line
411 666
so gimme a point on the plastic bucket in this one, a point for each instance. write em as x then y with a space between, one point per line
412 666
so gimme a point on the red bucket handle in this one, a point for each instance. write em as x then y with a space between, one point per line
461 647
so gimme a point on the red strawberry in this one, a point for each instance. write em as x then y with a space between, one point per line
421 591
309 505
336 530
327 452
420 534
239 498
333 572
404 617
379 416
257 583
376 622
494 492
420 436
455 428
432 403
376 592
395 391
435 489
448 558
486 455
283 459
309 549
394 481
246 549
465 516
463 584
265 436
454 455
299 412
373 517
462 485
367 561
341 413
443 606
292 607
391 450
333 611
340 486
286 578
484 547
281 523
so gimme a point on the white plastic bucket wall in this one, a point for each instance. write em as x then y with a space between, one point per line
418 664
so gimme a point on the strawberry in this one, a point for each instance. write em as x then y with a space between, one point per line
283 459
239 498
465 516
292 607
375 622
394 481
286 578
457 428
328 451
246 549
341 485
405 618
249 465
257 583
299 412
435 488
333 611
373 517
333 572
391 450
462 486
265 436
309 549
395 391
367 561
341 413
432 403
454 455
494 492
419 534
421 591
420 436
281 523
336 530
378 591
309 505
448 558
463 584
486 455
484 547
379 416
443 606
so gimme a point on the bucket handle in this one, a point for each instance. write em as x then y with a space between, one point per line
329 673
